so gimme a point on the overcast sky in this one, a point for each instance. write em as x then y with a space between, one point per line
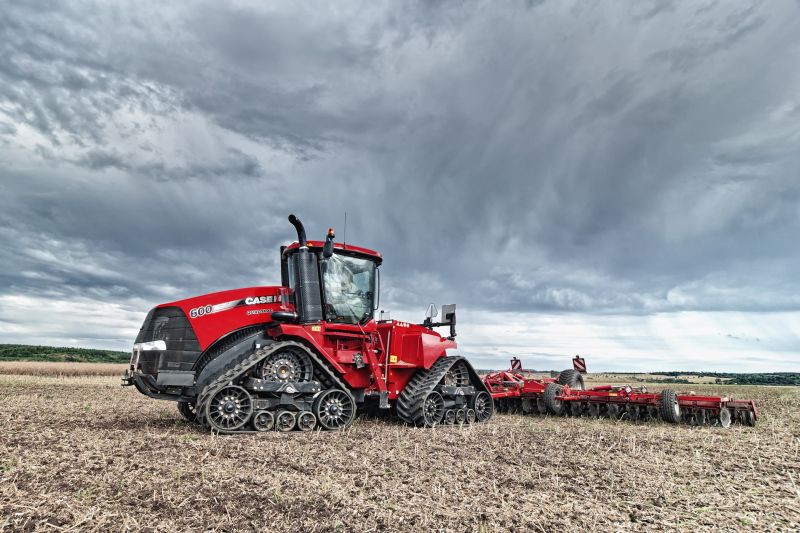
615 179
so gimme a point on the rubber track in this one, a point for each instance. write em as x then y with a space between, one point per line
236 368
410 401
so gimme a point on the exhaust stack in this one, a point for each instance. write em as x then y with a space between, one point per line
307 291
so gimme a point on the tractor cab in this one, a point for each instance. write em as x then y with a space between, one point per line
332 282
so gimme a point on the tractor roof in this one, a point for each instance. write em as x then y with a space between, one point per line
341 248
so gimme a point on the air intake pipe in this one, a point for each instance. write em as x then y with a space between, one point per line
307 291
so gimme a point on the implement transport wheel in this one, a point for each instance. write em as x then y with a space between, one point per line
470 416
553 404
229 409
613 411
572 379
700 417
483 406
306 421
725 417
335 409
670 410
594 409
285 421
263 421
633 413
461 416
449 417
187 411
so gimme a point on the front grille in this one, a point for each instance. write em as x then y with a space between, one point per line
168 324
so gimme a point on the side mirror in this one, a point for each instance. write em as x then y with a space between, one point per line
431 312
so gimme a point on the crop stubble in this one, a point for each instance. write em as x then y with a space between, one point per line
83 453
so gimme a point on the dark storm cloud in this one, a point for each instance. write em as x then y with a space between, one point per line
519 157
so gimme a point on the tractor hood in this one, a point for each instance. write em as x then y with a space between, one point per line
214 315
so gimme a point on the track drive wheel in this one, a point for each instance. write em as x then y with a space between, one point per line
670 410
187 411
483 406
229 409
553 404
335 409
263 421
572 379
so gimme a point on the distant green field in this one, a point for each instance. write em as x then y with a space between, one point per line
24 352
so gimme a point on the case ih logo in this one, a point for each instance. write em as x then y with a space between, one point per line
250 300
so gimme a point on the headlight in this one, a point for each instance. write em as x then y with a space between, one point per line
140 347
152 345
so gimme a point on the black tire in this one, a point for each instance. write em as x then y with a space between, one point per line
553 404
669 408
613 410
187 411
700 417
572 379
594 409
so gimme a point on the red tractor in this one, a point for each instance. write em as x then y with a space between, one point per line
306 354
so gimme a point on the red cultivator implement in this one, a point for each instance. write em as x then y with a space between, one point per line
517 390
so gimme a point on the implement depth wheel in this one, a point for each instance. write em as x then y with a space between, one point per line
553 404
483 406
670 410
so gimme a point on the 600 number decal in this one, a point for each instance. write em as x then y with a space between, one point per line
200 311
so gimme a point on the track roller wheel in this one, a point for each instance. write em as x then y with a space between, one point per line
449 417
553 404
187 411
229 409
285 421
571 378
613 411
470 416
670 410
483 406
461 416
306 421
725 417
335 409
263 421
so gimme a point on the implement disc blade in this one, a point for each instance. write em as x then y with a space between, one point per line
725 417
